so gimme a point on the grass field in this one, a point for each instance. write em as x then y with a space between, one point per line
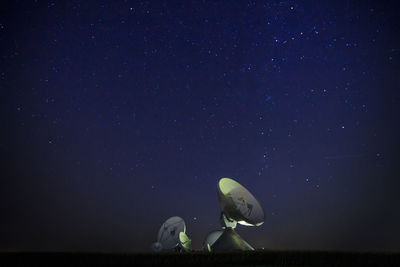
270 258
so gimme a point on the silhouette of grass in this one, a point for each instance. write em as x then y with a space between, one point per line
257 258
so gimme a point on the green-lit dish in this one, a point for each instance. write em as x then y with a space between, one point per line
185 242
238 204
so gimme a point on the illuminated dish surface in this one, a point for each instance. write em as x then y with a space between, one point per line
238 204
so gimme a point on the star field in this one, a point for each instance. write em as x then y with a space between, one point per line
117 115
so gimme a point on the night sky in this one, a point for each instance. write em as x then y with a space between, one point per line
118 115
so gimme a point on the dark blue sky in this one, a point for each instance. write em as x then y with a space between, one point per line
118 115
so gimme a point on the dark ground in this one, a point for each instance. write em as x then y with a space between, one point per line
270 258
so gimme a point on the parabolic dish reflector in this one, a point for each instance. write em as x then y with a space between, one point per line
239 204
211 238
168 235
185 242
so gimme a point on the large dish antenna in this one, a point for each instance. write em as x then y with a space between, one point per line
238 204
168 235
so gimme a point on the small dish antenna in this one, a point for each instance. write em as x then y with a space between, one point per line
168 235
210 239
238 204
185 242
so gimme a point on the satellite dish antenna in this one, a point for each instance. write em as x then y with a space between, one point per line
185 242
156 247
238 204
210 239
168 235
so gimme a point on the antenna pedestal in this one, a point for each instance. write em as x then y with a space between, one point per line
230 241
